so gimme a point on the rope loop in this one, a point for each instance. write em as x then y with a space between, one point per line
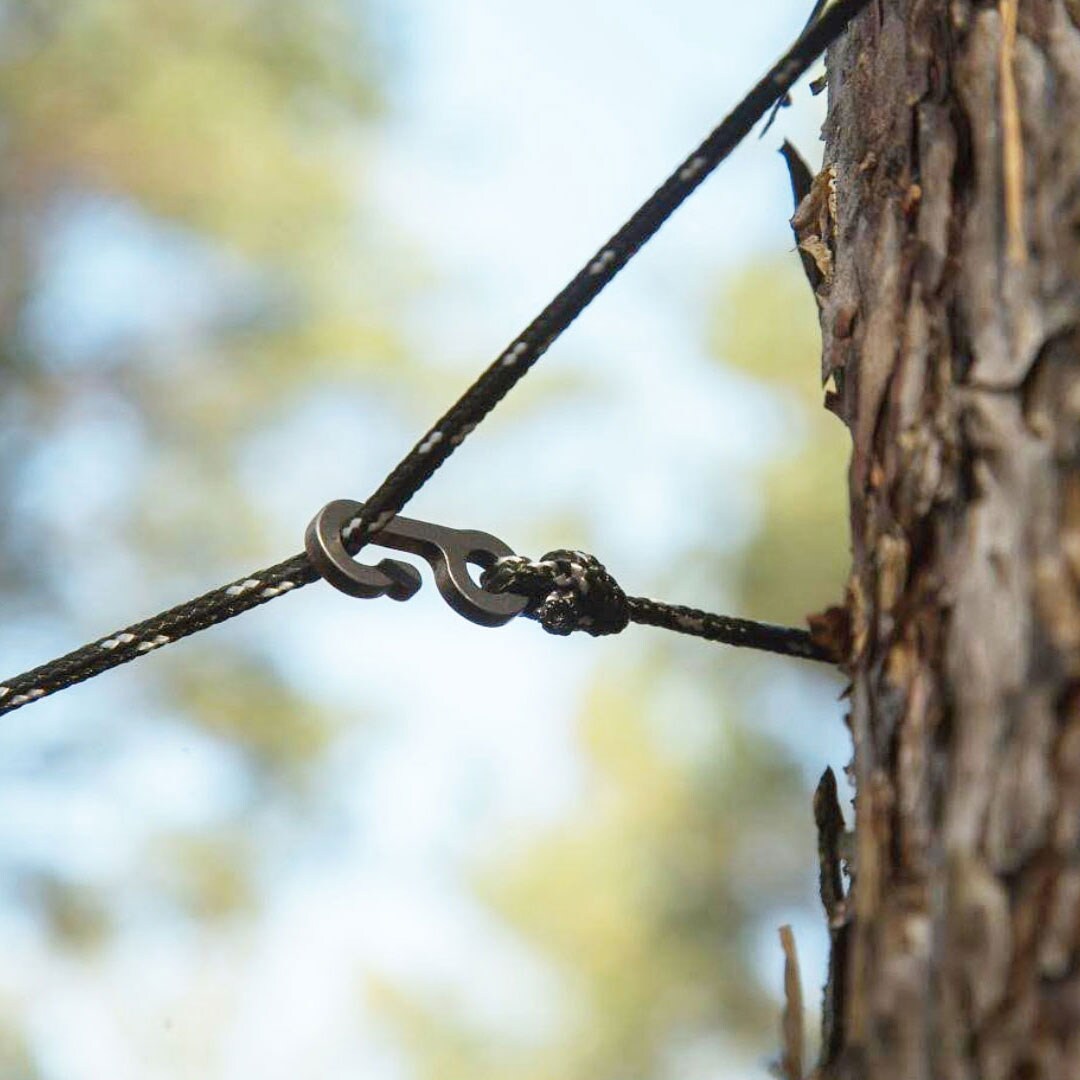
567 591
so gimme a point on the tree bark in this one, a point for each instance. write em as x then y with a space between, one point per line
946 229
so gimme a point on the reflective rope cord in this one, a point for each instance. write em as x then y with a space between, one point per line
572 590
417 467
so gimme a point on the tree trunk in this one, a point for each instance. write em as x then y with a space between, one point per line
946 229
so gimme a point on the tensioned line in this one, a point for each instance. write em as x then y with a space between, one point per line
416 468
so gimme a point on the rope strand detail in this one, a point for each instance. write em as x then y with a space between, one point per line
440 441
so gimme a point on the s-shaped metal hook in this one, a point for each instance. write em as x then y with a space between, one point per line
449 551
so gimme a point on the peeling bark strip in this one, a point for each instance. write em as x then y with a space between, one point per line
792 1025
829 819
946 230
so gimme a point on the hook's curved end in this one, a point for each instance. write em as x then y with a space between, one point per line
326 552
449 551
459 548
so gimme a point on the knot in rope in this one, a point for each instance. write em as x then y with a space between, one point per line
567 591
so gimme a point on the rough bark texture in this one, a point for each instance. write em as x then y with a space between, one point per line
946 229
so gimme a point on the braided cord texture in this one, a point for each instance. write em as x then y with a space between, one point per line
162 629
572 590
420 464
567 591
727 630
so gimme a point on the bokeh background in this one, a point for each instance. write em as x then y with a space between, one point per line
249 249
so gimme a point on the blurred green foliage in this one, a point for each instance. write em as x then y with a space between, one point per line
239 126
77 916
766 326
232 133
211 876
16 1062
644 905
240 700
213 114
647 900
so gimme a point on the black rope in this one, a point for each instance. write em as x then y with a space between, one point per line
572 590
417 467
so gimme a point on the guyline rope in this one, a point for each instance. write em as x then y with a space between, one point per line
478 400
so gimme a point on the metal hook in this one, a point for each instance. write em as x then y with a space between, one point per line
449 551
327 554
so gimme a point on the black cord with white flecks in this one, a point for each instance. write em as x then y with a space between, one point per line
417 467
572 590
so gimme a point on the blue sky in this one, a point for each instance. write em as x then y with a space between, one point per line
519 137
